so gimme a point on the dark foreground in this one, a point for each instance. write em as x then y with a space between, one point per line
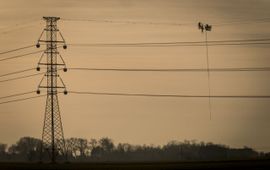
228 165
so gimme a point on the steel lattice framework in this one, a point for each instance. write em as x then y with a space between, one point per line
53 141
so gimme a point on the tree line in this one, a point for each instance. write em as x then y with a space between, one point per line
104 149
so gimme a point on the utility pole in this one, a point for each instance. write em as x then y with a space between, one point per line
205 28
52 136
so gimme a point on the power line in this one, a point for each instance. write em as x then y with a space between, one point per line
126 22
21 24
166 95
17 49
21 77
249 21
166 45
17 100
18 94
172 70
17 26
258 20
239 44
179 43
17 72
198 43
22 55
238 40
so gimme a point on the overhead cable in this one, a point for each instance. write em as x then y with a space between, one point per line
167 95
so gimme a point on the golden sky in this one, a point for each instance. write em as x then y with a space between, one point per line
138 120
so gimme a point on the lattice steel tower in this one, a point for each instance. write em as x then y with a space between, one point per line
53 141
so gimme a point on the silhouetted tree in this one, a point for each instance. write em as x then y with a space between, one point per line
106 144
3 153
3 148
79 149
26 149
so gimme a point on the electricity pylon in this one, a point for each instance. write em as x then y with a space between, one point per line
53 141
205 28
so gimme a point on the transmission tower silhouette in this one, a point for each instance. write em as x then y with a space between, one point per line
53 142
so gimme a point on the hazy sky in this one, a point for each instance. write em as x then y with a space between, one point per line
137 120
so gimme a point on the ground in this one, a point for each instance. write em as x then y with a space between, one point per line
228 165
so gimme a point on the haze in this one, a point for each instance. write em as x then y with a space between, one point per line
141 120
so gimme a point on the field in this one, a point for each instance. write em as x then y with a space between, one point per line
228 165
